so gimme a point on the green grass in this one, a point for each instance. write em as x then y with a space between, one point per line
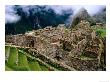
12 56
22 60
102 32
8 68
7 50
34 66
44 68
20 68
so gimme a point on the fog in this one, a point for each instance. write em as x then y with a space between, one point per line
12 17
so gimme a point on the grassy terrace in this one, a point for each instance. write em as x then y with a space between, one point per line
18 60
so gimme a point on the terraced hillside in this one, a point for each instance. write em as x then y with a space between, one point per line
82 48
18 60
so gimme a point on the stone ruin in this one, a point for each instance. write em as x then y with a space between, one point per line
78 48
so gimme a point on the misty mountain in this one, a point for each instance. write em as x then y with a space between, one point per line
82 14
37 16
27 18
100 17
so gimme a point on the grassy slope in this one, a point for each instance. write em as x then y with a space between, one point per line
34 66
7 50
12 56
18 60
8 68
22 60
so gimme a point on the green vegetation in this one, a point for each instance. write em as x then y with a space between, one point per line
7 49
101 32
12 56
20 60
8 68
34 66
43 68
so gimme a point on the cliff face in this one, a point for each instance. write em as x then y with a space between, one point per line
79 48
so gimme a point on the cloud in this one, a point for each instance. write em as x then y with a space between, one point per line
92 9
10 15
